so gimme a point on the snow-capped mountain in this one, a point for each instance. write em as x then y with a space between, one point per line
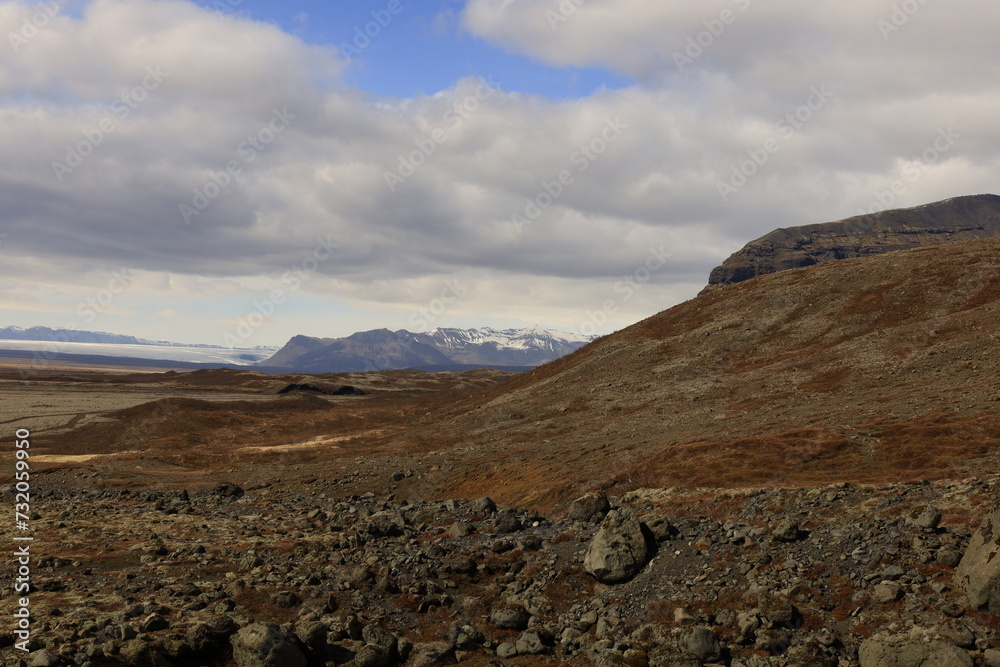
383 349
535 337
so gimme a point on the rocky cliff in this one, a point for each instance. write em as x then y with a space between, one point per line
948 221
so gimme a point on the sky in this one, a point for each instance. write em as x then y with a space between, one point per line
236 172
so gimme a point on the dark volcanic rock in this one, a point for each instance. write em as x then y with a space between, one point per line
591 507
346 390
948 221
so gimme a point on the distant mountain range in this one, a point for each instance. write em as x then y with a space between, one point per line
74 336
440 349
383 349
101 348
45 334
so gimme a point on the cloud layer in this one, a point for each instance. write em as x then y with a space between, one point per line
199 148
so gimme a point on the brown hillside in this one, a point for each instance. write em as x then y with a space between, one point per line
865 370
873 369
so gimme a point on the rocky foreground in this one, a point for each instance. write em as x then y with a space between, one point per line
892 575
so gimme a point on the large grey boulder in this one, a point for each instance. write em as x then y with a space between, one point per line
264 645
511 618
882 652
702 642
620 548
978 572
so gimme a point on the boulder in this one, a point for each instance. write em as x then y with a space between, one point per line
228 490
264 645
530 643
882 652
138 652
620 549
507 521
44 659
591 508
887 591
702 642
485 505
978 572
511 618
929 519
787 531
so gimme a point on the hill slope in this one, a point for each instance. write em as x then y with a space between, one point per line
949 221
865 369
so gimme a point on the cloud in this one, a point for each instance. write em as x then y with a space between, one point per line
253 130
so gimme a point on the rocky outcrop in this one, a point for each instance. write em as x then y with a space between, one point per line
948 221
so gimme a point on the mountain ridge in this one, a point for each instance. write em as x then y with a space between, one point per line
950 220
382 349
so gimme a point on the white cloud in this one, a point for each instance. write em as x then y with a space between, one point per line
323 175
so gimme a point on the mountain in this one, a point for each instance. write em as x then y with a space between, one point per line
364 351
871 369
948 221
383 349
